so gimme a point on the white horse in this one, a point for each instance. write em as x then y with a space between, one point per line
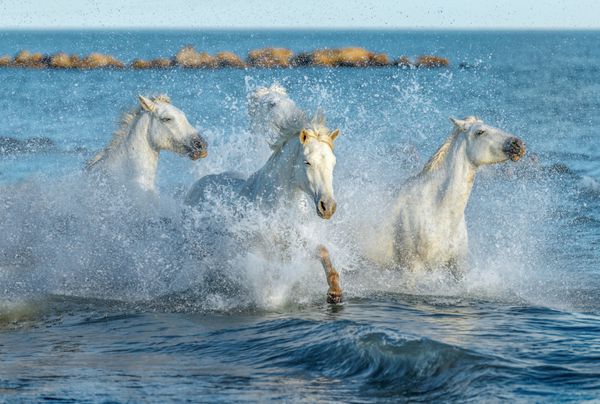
302 162
427 228
302 159
132 154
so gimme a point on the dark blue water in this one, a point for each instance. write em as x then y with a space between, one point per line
101 303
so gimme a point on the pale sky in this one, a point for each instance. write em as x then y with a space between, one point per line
298 14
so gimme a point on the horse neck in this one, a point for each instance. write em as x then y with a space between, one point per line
276 179
136 157
451 183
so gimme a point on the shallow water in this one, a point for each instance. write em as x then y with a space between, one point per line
107 295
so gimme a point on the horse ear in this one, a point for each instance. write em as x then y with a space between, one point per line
147 104
459 123
334 134
303 136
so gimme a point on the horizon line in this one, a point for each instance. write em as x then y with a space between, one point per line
245 29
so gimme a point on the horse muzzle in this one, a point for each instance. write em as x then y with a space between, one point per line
514 148
199 148
326 208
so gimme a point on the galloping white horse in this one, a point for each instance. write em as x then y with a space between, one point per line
302 162
132 154
428 228
302 159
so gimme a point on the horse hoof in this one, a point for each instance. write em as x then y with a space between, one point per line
334 297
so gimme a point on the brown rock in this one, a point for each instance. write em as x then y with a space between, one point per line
325 57
270 57
403 61
302 59
5 61
380 59
188 57
99 61
31 60
348 57
431 61
229 59
160 63
140 64
62 61
353 57
75 61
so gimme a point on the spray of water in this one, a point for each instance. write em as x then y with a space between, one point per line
68 236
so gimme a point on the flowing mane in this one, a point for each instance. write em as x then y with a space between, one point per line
276 116
440 155
125 123
316 127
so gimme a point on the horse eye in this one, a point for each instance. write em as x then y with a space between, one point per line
165 119
306 163
479 132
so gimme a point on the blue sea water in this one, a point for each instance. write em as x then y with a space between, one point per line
102 303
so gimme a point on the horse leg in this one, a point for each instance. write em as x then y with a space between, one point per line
334 294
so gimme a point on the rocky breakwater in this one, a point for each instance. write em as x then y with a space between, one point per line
190 58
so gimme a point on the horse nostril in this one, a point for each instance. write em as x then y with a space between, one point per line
323 208
198 148
514 148
518 146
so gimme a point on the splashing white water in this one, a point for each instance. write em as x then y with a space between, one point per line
67 236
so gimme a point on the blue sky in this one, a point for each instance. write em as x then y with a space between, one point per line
450 14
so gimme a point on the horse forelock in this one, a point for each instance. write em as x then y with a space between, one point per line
472 119
314 129
162 98
322 137
318 129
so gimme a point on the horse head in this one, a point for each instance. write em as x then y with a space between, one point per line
170 130
315 170
487 144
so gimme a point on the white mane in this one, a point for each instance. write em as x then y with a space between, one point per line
274 115
440 155
125 123
316 127
278 118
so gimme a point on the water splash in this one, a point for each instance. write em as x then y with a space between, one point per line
65 236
